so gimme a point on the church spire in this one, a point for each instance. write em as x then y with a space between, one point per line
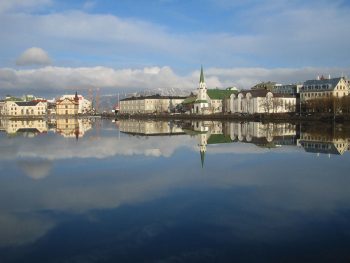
201 79
202 157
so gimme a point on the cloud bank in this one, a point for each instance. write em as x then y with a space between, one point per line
58 79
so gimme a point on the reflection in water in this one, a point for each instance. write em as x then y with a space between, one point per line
111 196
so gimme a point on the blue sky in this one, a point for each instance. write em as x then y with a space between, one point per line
238 42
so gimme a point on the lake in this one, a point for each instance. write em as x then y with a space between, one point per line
92 190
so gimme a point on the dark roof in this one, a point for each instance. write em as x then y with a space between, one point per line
320 147
262 93
27 103
332 82
153 97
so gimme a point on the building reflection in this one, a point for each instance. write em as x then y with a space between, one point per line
149 128
323 143
25 127
73 127
67 127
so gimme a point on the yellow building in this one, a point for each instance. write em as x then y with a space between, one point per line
67 106
323 88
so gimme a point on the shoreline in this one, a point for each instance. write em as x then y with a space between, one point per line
235 117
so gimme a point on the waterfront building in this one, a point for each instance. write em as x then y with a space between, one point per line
37 108
84 107
324 88
68 106
150 104
261 101
210 101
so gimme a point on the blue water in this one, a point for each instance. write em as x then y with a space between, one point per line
105 194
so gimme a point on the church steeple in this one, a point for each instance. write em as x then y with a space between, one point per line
201 78
202 157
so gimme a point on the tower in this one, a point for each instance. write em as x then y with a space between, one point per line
201 103
202 146
202 88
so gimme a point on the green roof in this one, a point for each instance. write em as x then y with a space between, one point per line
201 101
201 78
219 94
189 100
219 138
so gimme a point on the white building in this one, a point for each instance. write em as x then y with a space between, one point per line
24 108
261 101
150 104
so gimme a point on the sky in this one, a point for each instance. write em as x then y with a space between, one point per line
54 47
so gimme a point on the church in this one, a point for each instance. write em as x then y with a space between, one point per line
210 101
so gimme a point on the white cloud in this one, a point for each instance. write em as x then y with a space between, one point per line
33 56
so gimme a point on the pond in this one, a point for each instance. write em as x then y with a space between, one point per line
92 190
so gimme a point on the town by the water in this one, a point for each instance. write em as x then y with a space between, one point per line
320 98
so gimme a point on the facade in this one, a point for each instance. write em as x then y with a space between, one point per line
324 88
150 104
36 108
210 101
67 106
261 101
84 107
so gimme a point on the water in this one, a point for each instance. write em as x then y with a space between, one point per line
131 191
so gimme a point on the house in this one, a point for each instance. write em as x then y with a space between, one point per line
261 101
68 106
324 88
210 101
150 104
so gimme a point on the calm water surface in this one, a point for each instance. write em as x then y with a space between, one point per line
129 191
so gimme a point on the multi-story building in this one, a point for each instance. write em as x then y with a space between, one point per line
150 104
37 108
261 101
67 106
324 88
